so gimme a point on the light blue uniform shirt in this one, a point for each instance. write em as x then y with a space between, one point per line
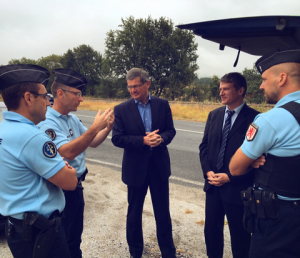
66 128
278 133
145 112
28 158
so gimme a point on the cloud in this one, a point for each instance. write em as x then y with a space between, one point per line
37 28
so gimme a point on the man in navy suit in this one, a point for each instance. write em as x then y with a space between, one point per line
219 143
144 127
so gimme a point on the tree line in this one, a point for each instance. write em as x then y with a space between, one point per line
166 52
207 89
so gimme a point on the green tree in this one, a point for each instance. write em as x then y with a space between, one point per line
87 61
214 92
50 63
253 78
204 80
23 60
167 53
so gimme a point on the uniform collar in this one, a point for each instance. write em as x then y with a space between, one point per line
13 116
56 113
288 98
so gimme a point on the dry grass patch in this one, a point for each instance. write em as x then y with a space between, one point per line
192 112
200 222
180 251
96 104
188 211
197 112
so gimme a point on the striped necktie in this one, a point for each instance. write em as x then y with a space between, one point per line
226 130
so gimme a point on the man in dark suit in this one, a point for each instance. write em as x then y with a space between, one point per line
224 133
144 127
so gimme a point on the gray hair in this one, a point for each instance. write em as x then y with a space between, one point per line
137 72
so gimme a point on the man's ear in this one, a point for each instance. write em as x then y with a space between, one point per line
282 78
241 91
28 98
59 93
148 84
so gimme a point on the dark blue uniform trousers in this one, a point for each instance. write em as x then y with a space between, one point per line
73 220
277 238
24 249
159 190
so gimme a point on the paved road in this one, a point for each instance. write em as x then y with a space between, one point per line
184 151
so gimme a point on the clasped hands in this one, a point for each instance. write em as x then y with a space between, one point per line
153 139
220 179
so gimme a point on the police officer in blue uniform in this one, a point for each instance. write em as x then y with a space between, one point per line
72 138
32 171
274 201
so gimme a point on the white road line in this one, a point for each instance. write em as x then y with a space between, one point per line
183 130
104 163
188 131
187 181
83 115
172 177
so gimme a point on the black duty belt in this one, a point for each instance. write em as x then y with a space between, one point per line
50 221
285 203
82 177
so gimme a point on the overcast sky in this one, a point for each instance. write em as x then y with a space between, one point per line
38 28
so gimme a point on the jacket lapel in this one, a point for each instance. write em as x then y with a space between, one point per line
240 120
154 113
219 126
136 115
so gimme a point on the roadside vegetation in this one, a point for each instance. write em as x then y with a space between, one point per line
197 112
190 111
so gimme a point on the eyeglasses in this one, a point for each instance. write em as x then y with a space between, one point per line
78 94
46 96
134 87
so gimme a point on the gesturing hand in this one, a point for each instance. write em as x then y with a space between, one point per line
101 120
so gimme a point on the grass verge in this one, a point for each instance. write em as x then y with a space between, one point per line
197 112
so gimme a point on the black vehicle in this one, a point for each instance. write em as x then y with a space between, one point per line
51 100
253 35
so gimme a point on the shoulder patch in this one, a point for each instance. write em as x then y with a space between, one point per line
51 133
49 150
251 132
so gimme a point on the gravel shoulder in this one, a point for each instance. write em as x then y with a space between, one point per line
105 219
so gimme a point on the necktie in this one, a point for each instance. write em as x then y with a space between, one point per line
226 130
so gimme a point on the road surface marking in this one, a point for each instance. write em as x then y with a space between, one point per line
189 131
172 177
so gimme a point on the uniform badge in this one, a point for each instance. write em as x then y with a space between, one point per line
251 132
49 150
51 133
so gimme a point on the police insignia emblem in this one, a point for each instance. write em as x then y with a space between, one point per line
251 132
51 133
49 150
